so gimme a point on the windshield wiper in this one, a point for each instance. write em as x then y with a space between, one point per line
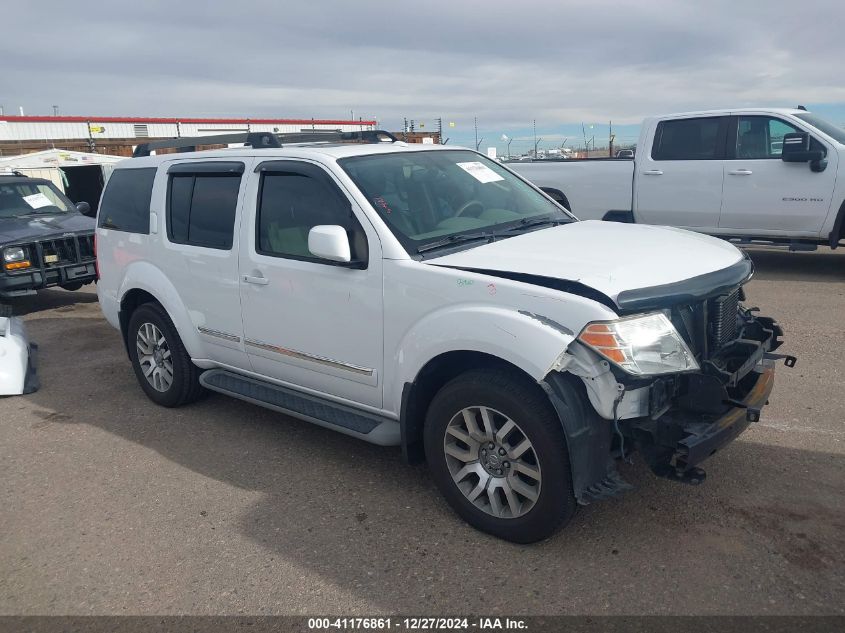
530 223
455 239
39 212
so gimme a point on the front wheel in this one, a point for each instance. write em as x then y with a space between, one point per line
497 452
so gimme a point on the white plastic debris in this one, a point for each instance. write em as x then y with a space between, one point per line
17 373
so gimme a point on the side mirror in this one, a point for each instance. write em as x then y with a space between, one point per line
85 209
329 241
796 149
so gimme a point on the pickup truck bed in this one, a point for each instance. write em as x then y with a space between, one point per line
593 187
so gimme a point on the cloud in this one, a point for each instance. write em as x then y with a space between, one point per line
505 62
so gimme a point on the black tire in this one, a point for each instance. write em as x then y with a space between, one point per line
521 400
185 387
72 286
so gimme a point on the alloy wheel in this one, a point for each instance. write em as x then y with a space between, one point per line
154 357
492 462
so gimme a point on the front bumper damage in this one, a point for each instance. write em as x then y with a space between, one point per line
674 421
692 416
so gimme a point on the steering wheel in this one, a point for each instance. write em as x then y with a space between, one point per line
467 205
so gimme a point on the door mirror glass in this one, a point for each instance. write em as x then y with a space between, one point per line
329 241
85 209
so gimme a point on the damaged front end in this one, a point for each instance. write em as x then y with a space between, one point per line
692 415
676 416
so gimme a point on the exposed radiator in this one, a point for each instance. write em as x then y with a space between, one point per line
722 312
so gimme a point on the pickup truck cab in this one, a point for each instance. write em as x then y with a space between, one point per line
768 174
429 298
45 240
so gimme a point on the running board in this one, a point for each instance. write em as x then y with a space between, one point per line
790 245
369 427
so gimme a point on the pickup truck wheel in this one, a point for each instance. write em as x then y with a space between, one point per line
498 454
161 363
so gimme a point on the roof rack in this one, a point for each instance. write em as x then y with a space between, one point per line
265 140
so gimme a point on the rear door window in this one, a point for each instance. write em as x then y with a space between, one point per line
126 201
689 139
202 200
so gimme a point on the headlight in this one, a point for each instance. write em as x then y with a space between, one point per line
15 258
14 254
642 345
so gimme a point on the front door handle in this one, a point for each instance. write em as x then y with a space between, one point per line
260 281
740 172
653 172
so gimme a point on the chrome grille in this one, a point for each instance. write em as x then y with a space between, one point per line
723 318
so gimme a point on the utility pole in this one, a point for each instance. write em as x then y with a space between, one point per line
55 110
440 129
586 145
475 122
611 139
537 141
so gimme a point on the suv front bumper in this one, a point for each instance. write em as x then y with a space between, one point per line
679 440
27 282
694 415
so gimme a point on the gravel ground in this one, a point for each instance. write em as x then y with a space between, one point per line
111 505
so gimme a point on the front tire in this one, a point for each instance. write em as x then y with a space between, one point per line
161 363
497 452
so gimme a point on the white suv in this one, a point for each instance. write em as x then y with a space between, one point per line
428 297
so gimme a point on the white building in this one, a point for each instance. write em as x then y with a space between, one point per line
28 128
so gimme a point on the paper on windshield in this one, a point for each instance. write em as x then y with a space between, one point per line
480 171
37 200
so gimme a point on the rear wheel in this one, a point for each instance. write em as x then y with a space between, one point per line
497 452
161 363
72 286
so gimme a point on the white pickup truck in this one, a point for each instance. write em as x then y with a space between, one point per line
749 174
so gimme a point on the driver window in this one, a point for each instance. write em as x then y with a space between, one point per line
761 136
290 204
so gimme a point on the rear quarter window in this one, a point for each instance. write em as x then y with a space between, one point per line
126 201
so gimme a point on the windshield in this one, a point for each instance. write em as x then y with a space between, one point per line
30 198
433 198
833 131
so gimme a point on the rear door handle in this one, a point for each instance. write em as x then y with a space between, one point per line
260 281
740 172
653 172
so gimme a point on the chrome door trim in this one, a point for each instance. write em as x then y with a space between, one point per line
322 360
218 334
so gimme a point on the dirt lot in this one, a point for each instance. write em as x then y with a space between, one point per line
111 505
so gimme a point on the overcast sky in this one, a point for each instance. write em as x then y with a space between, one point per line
506 62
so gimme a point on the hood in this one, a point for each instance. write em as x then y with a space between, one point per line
634 266
19 229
